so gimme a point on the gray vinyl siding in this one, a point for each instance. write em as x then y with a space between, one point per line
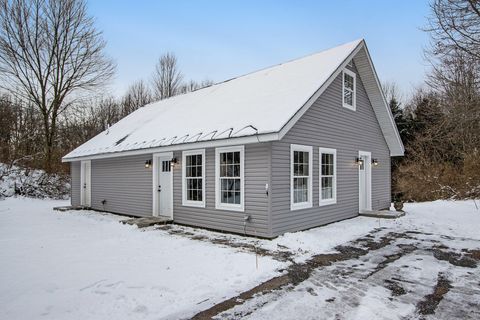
124 183
257 175
328 124
75 183
126 186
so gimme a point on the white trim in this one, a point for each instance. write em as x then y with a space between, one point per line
334 191
229 206
392 122
309 203
368 169
354 93
191 203
290 123
263 137
155 171
82 182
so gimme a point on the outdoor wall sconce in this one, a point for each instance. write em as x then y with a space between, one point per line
173 162
148 164
359 161
375 162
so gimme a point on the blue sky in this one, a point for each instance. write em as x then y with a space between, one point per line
222 39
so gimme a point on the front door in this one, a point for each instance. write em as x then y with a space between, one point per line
164 188
85 183
364 181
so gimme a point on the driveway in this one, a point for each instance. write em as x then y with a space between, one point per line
385 275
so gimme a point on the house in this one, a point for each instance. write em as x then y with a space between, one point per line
290 147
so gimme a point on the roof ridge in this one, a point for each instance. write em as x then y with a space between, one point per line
357 41
291 60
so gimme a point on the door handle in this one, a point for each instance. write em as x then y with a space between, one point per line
84 186
159 188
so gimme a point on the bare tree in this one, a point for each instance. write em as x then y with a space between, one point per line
83 122
20 131
50 52
167 78
192 85
455 24
391 91
138 94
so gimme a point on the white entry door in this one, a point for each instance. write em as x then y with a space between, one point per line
86 183
164 187
365 181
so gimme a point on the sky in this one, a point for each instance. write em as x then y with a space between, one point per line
218 40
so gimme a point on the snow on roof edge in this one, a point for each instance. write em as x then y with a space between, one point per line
139 145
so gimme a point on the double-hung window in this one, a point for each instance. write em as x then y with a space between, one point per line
328 176
349 89
229 172
301 177
193 178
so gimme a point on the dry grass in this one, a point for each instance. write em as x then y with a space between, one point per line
427 180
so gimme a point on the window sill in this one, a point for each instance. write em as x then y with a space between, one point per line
197 204
301 205
222 206
353 108
327 202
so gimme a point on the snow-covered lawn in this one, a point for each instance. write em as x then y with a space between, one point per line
87 265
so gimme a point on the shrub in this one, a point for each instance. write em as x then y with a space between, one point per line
33 183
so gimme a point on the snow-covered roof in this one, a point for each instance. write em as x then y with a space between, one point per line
254 105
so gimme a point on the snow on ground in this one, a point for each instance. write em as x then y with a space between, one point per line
301 245
86 265
456 218
449 218
453 218
425 272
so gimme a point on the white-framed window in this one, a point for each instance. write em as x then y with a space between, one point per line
328 176
229 178
193 178
301 176
349 90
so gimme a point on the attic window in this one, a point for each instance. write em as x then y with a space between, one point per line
121 140
349 90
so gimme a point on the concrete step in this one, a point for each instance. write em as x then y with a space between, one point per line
147 221
67 208
383 214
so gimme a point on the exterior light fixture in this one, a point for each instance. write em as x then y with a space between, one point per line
375 162
173 162
359 161
148 164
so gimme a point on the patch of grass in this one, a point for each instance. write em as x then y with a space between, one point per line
430 302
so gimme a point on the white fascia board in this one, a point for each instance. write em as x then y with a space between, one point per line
392 122
266 137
